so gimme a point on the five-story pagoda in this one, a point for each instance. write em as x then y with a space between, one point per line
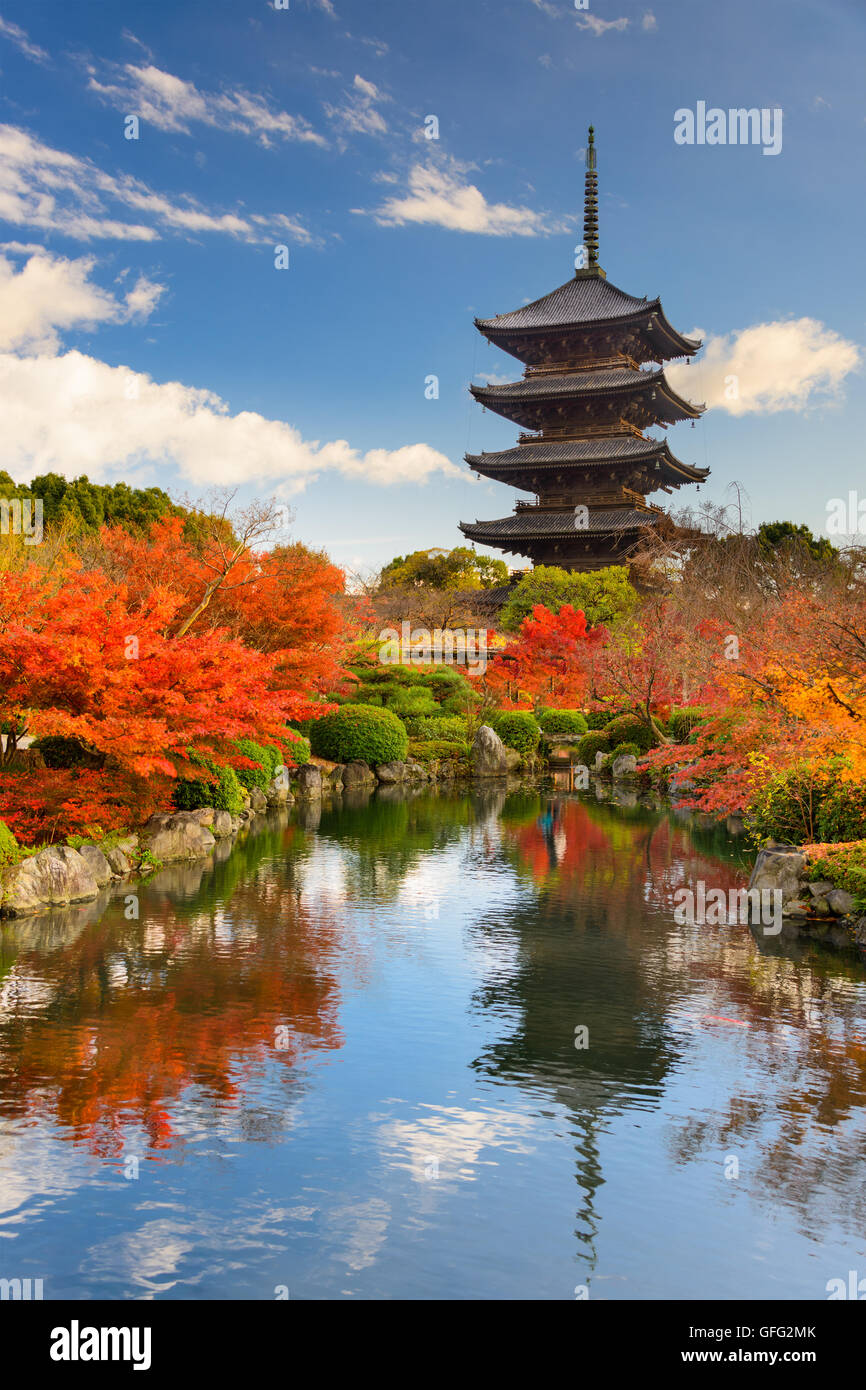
586 399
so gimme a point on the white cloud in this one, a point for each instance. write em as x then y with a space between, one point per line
601 26
358 111
649 21
50 293
73 414
48 188
442 197
786 365
171 103
15 34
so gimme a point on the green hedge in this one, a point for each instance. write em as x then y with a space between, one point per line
600 718
844 867
681 722
628 728
596 741
442 726
8 845
842 815
563 721
360 733
518 729
224 792
298 751
269 757
624 749
436 750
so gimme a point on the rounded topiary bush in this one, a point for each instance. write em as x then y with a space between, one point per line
625 749
596 741
8 845
360 733
268 758
518 729
563 721
437 750
842 815
443 726
628 728
298 751
223 792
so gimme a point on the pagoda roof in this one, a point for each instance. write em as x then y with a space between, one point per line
605 381
588 453
535 524
588 298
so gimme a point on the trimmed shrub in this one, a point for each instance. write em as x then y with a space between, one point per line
628 728
596 741
8 845
563 721
518 729
443 726
600 718
269 758
224 792
436 750
624 749
461 701
842 815
788 806
412 702
360 733
681 722
297 753
844 867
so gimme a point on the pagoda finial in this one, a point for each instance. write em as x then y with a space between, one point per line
590 205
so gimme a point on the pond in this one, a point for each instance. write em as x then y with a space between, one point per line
448 1045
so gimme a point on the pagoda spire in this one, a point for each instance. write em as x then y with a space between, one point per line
590 208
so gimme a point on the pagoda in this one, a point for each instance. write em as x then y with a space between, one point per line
591 388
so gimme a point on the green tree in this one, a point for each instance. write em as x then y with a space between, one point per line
459 568
603 595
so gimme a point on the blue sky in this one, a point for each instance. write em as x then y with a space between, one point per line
146 333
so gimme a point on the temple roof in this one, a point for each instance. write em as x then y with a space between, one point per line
538 523
588 453
605 381
587 299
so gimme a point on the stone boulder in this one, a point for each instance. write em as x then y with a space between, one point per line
309 783
97 863
391 772
779 869
279 791
179 836
624 766
357 775
222 824
258 801
119 862
841 902
488 756
513 759
54 877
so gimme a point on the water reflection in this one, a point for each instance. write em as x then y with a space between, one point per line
375 1010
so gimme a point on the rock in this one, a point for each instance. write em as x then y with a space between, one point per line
859 931
258 801
417 772
203 816
779 869
56 876
119 862
309 782
97 863
223 824
391 772
624 766
840 902
279 791
795 907
599 760
181 836
488 754
358 775
820 888
513 759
